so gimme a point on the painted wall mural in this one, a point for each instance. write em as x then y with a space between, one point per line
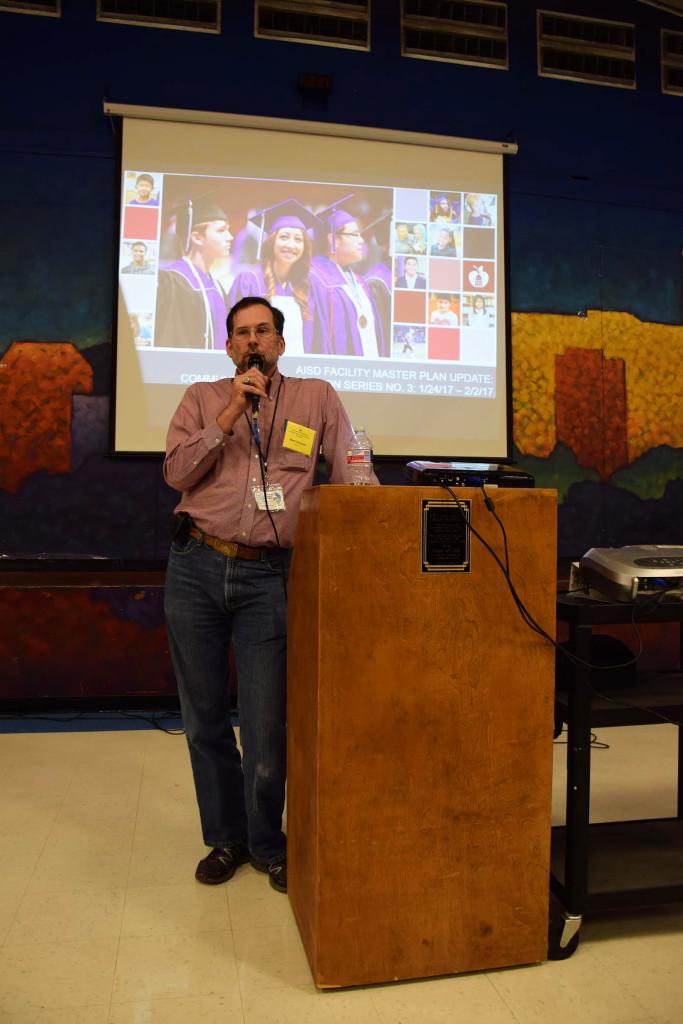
74 642
606 385
598 414
595 239
38 382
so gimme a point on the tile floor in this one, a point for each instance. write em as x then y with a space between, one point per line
101 921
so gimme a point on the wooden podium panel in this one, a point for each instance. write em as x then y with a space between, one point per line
420 722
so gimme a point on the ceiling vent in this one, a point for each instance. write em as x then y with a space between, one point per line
53 10
455 30
674 7
672 62
190 15
586 50
326 23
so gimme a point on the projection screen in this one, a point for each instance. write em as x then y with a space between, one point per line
392 284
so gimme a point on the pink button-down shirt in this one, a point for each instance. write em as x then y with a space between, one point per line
217 473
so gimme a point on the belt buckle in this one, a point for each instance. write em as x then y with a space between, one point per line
231 548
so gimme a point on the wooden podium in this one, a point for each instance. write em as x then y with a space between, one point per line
420 723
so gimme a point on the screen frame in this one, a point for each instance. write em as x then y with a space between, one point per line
118 112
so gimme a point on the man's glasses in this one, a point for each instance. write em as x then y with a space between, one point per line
262 332
350 234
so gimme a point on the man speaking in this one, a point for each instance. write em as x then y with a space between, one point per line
226 578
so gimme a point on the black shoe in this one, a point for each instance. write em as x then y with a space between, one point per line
221 864
277 870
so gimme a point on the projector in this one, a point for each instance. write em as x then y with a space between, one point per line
467 474
629 573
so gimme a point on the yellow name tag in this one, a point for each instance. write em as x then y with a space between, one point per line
298 438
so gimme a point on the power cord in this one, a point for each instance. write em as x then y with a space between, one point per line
630 706
595 743
492 509
523 611
529 620
154 720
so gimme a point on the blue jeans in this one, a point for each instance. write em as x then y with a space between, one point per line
208 599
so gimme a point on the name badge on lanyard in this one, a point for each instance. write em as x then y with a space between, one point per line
270 500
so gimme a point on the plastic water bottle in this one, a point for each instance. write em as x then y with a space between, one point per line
359 458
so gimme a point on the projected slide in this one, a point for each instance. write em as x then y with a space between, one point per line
385 289
384 250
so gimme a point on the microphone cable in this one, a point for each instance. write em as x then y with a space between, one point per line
255 361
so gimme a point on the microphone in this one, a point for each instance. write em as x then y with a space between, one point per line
255 361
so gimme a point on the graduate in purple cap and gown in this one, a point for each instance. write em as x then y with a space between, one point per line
191 310
282 275
444 210
354 325
378 274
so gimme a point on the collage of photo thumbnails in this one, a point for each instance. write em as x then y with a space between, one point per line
415 283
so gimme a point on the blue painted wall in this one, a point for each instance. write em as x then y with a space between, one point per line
595 201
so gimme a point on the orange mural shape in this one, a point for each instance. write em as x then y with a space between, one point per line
73 644
590 404
37 383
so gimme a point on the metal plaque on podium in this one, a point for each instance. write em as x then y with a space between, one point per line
445 535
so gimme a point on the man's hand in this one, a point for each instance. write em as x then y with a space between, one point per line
245 385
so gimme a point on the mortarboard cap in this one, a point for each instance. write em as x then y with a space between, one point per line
333 218
290 213
206 209
378 226
195 212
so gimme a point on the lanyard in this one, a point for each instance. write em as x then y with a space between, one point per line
264 458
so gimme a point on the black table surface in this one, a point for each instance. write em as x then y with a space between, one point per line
585 611
20 570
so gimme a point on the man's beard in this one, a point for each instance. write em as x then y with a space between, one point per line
268 364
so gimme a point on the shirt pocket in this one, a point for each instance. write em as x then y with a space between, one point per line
287 458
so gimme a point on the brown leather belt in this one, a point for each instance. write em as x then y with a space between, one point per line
230 548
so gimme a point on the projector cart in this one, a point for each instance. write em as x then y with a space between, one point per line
611 865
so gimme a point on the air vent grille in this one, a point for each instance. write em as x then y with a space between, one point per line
53 10
191 15
672 62
586 50
327 23
455 30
